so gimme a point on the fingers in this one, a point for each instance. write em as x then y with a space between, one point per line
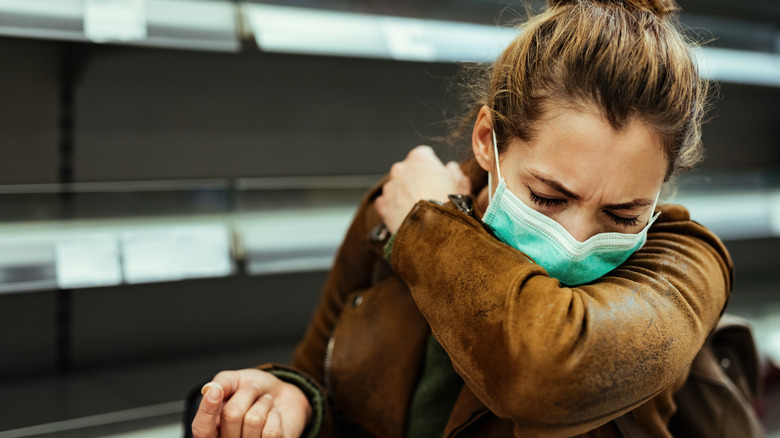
239 404
462 183
397 170
207 418
419 157
454 168
235 410
380 204
422 152
273 425
420 176
229 381
257 416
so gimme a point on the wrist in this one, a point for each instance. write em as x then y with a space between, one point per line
302 400
313 395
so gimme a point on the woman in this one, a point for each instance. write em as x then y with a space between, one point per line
524 306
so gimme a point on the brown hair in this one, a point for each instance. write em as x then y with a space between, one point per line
624 57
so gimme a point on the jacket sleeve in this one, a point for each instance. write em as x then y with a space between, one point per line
555 360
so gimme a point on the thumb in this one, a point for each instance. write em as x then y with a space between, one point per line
207 418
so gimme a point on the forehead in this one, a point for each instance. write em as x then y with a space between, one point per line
581 150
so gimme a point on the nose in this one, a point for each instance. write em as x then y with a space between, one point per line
581 226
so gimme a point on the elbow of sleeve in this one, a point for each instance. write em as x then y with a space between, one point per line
561 398
560 415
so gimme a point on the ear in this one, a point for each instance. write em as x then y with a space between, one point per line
482 140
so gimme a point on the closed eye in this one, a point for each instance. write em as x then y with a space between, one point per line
628 222
545 202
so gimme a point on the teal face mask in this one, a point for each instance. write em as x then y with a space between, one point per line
549 244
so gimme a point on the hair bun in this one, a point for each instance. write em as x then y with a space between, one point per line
661 8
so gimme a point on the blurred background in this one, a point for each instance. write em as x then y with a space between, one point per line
175 176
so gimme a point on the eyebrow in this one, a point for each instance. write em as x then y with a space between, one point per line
636 203
629 205
554 184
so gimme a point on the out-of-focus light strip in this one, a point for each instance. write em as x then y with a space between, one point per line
303 30
90 253
53 8
739 66
310 31
748 215
179 24
295 240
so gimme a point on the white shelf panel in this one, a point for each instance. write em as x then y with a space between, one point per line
320 32
179 24
736 215
294 240
739 66
81 254
76 254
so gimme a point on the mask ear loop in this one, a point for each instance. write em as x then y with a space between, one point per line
653 215
498 169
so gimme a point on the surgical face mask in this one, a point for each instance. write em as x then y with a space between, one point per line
549 244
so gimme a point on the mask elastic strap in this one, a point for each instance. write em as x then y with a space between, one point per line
498 170
495 151
653 216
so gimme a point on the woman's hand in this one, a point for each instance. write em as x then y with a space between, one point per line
420 176
251 403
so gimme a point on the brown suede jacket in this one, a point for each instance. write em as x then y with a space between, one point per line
538 359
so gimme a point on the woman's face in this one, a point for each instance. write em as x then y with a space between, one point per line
585 175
